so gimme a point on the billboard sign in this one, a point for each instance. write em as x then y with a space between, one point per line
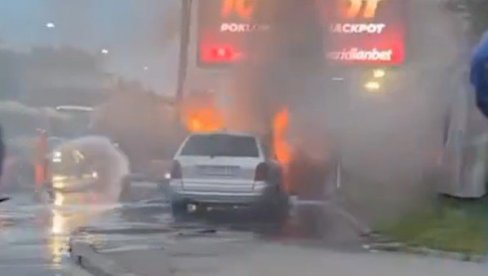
365 32
224 26
357 32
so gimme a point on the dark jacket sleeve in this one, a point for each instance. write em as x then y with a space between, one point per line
479 75
479 79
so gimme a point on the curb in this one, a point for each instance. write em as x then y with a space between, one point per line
424 251
95 263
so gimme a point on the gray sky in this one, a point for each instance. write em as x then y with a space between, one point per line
135 32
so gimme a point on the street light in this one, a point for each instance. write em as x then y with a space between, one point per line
105 51
50 25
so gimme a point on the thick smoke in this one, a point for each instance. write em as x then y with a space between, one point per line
388 142
103 157
285 70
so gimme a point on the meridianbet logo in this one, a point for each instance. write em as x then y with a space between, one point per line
360 8
242 8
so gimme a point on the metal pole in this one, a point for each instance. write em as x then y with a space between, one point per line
184 45
183 61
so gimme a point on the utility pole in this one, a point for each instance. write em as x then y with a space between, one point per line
184 45
183 62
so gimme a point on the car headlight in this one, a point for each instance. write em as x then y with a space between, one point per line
57 157
59 181
167 176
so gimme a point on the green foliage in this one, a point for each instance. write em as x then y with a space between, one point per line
457 226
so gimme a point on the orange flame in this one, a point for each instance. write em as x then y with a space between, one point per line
201 114
280 146
203 119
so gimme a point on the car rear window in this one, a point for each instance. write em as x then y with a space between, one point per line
221 145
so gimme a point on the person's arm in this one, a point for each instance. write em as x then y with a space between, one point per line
479 79
479 75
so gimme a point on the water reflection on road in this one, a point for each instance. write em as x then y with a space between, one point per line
34 234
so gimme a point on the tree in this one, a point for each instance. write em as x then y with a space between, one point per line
10 77
51 76
61 76
20 120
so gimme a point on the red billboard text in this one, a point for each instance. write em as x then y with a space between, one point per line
356 32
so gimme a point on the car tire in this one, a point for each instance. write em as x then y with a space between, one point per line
281 209
178 209
275 209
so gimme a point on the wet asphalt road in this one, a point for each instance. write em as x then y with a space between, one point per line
31 239
34 238
35 233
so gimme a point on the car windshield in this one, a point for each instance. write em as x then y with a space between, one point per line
221 145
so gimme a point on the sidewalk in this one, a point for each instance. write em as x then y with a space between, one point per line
244 257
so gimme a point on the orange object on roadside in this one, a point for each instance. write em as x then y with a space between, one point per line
40 163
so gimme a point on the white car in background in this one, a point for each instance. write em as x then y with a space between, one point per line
90 165
226 169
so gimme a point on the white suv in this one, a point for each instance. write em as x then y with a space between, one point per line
226 169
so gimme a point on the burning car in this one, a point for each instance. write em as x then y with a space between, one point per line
226 169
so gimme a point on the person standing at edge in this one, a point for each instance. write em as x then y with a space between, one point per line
479 74
2 157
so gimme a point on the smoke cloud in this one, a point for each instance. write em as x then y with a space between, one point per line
110 164
387 142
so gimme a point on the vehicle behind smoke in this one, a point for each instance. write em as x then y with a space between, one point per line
90 165
79 123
